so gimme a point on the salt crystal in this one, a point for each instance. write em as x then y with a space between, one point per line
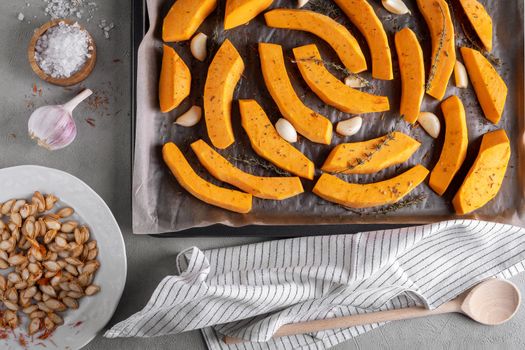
21 16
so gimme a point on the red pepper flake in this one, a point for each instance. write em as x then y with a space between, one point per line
35 89
117 60
43 281
91 121
45 335
3 335
22 340
78 324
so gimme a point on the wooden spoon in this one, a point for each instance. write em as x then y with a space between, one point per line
76 78
491 302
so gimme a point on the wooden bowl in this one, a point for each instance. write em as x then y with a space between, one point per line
77 77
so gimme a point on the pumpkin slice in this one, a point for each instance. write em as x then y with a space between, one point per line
223 75
175 80
239 12
308 123
333 189
277 188
484 179
330 89
480 20
439 22
185 17
335 34
207 192
269 145
386 151
490 88
454 147
362 15
412 68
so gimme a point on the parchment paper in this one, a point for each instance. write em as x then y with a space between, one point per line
161 205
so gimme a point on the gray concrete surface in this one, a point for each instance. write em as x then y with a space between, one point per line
101 157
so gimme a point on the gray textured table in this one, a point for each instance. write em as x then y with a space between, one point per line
101 157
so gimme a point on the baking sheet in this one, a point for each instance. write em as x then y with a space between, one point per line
161 205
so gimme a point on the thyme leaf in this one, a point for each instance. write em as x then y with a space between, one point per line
325 7
254 162
441 44
405 203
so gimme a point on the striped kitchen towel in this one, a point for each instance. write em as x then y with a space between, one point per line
249 291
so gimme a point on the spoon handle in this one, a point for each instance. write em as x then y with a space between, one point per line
355 320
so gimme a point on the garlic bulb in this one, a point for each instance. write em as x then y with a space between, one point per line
198 46
301 3
191 117
53 127
396 7
430 122
349 127
286 130
460 75
355 82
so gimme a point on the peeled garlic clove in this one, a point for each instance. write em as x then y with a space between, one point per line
397 7
355 82
191 117
301 3
286 130
349 127
460 75
430 122
198 46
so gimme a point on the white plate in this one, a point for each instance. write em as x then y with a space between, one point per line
80 325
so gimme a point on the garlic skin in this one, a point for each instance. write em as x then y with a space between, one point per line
52 127
301 3
397 7
190 118
355 82
350 126
198 46
286 130
460 75
430 123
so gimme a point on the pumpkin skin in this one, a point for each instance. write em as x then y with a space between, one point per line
480 20
308 123
276 188
205 191
330 89
412 68
437 16
333 189
267 143
239 12
484 179
344 157
335 34
490 88
363 16
184 18
175 80
455 145
224 73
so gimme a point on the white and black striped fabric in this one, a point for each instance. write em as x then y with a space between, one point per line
249 291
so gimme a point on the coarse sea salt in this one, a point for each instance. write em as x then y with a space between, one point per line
62 50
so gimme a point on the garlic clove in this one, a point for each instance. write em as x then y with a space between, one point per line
355 82
397 7
301 3
460 75
286 130
52 127
198 46
191 117
349 127
430 122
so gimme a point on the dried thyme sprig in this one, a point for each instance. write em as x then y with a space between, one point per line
405 203
436 61
335 66
473 43
325 7
254 162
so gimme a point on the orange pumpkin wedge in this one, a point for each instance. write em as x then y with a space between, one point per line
223 75
363 16
490 88
335 34
277 188
484 179
205 191
175 80
333 189
308 123
412 68
330 89
454 147
395 148
480 20
185 17
267 143
439 22
239 12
